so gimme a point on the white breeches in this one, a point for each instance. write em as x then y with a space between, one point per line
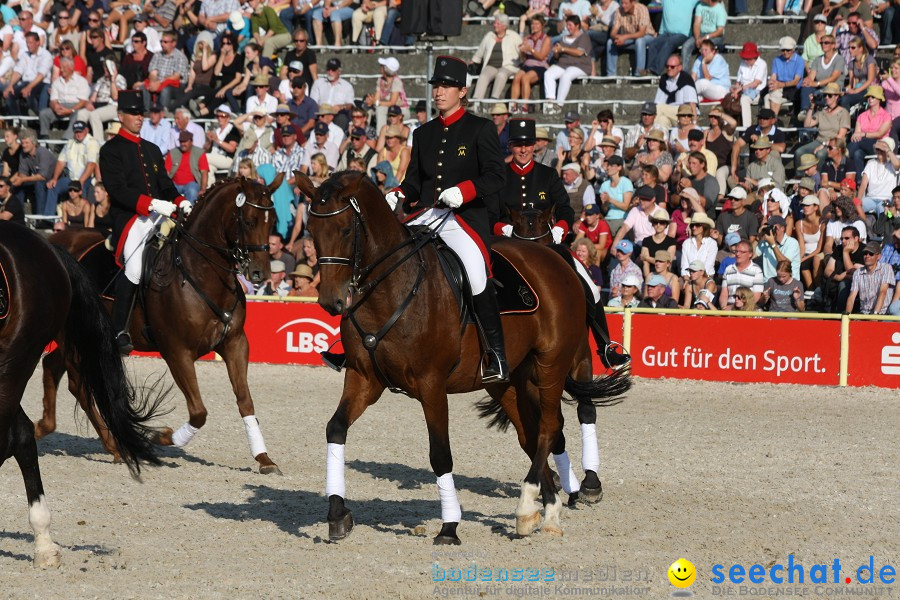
460 242
133 251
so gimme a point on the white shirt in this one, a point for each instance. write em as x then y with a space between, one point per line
29 66
72 91
759 70
336 134
19 37
616 132
705 253
882 179
269 103
336 94
582 8
330 150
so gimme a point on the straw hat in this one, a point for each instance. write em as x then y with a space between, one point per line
807 161
396 131
701 219
656 134
875 91
302 271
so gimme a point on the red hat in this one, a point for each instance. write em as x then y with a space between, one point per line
849 182
749 51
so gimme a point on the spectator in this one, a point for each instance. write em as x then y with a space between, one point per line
543 151
598 24
783 293
169 72
297 17
183 123
890 255
586 252
635 140
853 28
872 125
597 169
369 11
335 91
575 154
268 30
887 225
223 140
595 229
396 152
141 25
389 93
656 294
719 140
383 176
702 182
336 12
828 68
358 147
305 55
283 116
497 54
662 265
879 177
744 300
812 46
764 165
77 213
536 8
604 126
35 170
699 287
738 220
10 206
628 296
76 162
276 284
891 87
68 95
616 194
743 273
305 108
751 80
12 153
837 164
775 245
862 75
320 141
871 284
625 267
102 104
263 98
572 121
135 67
67 50
676 26
710 18
660 240
810 232
158 130
774 203
700 246
631 31
786 76
846 258
254 65
214 15
830 121
695 143
712 77
766 125
390 35
678 136
573 61
675 90
579 189
656 155
499 115
726 255
67 31
301 282
638 219
200 77
227 75
278 251
28 87
843 214
650 180
188 167
533 54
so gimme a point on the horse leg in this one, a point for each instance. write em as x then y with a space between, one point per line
591 488
54 366
434 405
181 364
93 414
235 352
359 393
549 416
17 439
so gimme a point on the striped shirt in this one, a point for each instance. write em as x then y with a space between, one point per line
78 155
751 277
868 284
166 65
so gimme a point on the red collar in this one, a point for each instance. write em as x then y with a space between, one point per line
130 136
454 117
525 170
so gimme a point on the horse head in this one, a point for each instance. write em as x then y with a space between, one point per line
532 224
350 223
238 214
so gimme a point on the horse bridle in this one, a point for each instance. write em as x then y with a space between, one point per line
534 239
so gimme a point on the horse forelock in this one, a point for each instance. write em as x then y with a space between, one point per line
339 183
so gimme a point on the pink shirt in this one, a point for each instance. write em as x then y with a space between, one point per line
866 123
892 95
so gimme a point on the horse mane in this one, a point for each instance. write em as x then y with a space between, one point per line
336 182
202 202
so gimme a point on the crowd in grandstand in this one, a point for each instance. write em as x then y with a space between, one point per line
784 196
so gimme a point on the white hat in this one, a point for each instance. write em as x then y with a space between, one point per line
810 200
631 280
276 266
296 65
886 141
572 167
787 43
738 192
224 108
236 19
390 63
764 182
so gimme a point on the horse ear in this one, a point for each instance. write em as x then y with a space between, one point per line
305 184
276 183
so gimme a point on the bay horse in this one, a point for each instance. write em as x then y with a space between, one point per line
46 296
535 225
396 302
194 303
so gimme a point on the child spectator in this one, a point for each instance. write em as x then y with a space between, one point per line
744 299
783 293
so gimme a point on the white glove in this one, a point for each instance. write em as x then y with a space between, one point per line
451 197
186 207
557 234
162 207
507 230
394 197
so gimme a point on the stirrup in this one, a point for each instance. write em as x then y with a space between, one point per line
612 359
334 360
499 374
123 341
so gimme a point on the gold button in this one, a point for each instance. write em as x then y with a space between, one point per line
438 176
440 151
444 141
446 129
440 164
437 189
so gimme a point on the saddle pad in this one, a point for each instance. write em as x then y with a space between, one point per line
4 294
514 293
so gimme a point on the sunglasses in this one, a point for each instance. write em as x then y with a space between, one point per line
672 66
259 117
827 43
868 253
652 222
226 43
696 225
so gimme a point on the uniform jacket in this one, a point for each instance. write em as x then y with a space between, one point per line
134 173
461 151
535 186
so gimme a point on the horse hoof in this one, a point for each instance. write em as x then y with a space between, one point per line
116 458
270 470
552 530
338 530
48 558
573 499
163 437
40 430
447 540
527 524
591 495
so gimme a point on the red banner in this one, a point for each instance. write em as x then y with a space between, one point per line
874 354
736 349
290 333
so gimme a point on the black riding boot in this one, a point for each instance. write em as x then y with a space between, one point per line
125 293
488 314
611 355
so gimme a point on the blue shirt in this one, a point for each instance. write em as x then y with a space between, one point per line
161 135
618 194
718 70
891 256
677 16
304 111
787 70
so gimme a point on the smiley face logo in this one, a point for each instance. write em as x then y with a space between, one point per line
682 573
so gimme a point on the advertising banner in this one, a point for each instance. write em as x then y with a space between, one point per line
290 333
736 349
874 354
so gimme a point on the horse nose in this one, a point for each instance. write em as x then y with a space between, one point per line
338 306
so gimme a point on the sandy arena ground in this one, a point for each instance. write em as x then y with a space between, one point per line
717 473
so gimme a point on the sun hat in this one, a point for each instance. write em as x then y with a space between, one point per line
390 63
807 161
749 51
662 256
875 91
810 200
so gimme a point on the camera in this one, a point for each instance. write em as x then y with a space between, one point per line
819 101
765 231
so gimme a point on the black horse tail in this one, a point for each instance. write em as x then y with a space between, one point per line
488 408
89 335
605 390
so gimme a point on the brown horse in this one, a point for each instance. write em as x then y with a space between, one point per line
388 285
44 296
194 304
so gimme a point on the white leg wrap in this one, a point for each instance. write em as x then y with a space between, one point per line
450 509
567 478
528 504
184 435
254 436
46 553
334 471
590 453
